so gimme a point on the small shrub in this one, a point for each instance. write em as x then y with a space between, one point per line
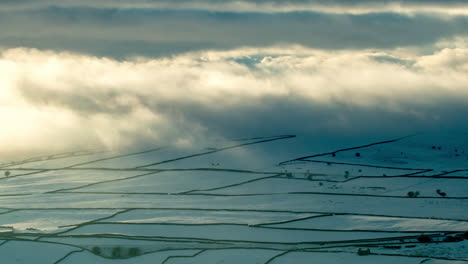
134 252
7 173
424 239
460 237
96 250
413 194
452 239
439 192
363 252
465 235
358 154
117 252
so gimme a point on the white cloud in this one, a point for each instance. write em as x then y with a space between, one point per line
56 101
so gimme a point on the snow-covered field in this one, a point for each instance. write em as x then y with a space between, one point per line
259 200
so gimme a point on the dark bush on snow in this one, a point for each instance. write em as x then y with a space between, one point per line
453 239
134 252
96 250
424 239
439 192
117 252
460 237
363 252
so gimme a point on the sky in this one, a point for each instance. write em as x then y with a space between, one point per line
82 74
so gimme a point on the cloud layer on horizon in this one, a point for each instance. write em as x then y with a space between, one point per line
61 100
112 29
441 7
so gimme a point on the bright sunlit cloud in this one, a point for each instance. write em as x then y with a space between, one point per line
61 100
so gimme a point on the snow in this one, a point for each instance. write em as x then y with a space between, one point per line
427 187
158 257
340 258
314 203
243 204
204 217
228 256
227 233
45 221
175 182
359 222
57 179
25 252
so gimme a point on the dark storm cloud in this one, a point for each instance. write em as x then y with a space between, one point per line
154 32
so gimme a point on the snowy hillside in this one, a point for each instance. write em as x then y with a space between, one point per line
258 200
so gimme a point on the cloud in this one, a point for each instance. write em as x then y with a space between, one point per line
447 7
61 101
122 33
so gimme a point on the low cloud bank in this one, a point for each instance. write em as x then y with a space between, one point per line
54 101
